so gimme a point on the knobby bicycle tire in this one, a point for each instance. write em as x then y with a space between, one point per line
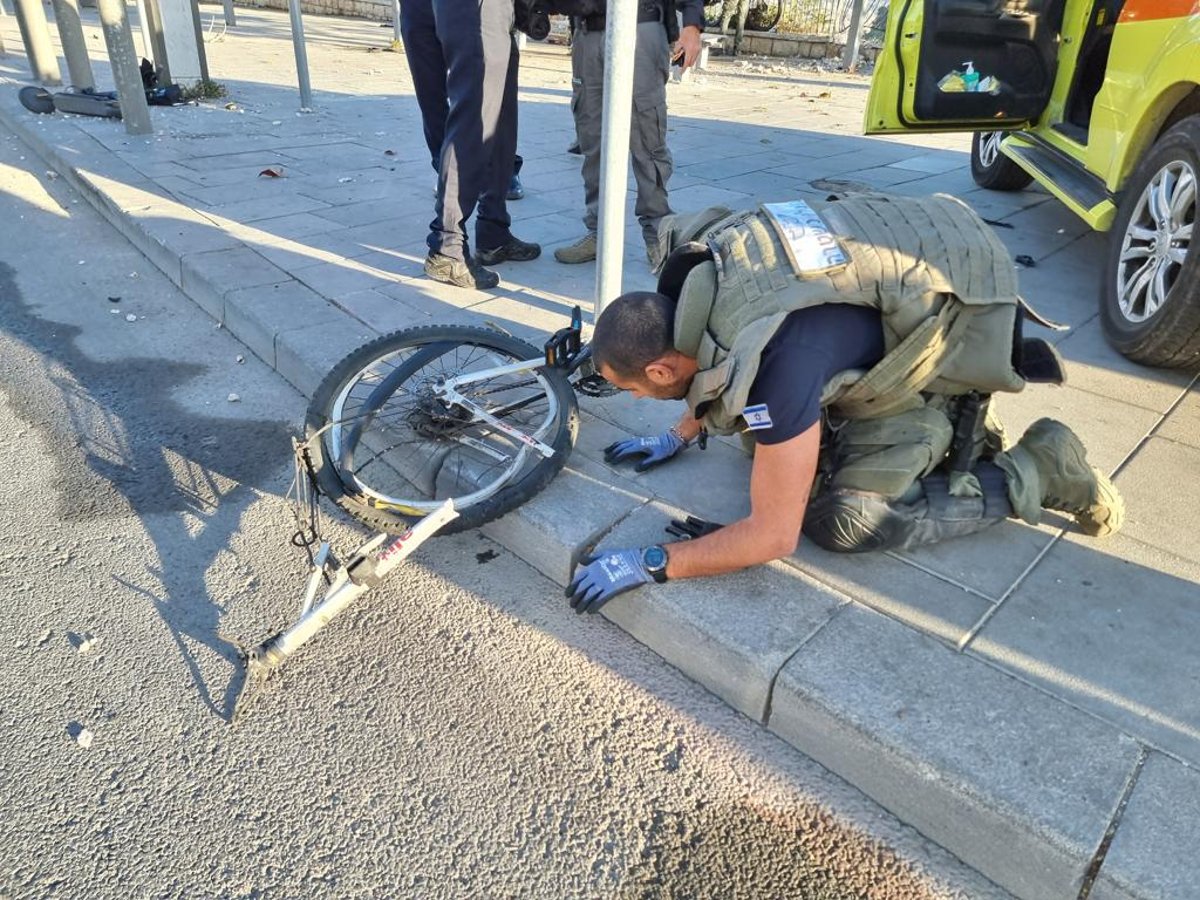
386 371
762 17
765 16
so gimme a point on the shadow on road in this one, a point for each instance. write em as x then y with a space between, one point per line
123 444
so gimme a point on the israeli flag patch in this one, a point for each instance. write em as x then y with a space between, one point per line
757 417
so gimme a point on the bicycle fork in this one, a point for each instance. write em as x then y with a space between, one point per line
345 584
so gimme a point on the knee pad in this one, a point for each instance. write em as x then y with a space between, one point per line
844 521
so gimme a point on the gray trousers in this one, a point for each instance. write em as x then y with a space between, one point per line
648 131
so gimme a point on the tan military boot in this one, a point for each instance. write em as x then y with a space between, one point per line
1068 483
583 250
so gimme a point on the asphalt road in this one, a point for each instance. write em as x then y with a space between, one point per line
459 733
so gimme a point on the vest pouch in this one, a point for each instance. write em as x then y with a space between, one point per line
707 386
895 383
985 361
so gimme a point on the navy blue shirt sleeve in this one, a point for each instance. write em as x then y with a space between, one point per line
810 347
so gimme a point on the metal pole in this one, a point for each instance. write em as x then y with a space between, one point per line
35 33
854 38
70 33
396 21
3 15
620 44
121 54
301 55
148 49
154 39
230 15
199 32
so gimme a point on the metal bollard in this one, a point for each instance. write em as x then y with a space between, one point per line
853 38
35 34
301 55
70 32
121 54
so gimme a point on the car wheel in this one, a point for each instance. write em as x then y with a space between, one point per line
992 169
1151 309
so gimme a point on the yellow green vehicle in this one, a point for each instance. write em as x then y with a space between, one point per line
1098 101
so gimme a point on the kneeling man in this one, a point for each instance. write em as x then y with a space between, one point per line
856 350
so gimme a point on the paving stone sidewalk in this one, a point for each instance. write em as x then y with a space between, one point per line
1030 699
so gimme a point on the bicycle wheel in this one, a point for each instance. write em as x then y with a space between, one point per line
764 15
387 446
713 11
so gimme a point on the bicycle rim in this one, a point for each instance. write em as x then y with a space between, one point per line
764 15
412 451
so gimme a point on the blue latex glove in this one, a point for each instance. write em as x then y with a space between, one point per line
653 450
603 576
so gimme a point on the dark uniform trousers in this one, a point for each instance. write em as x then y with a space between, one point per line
463 60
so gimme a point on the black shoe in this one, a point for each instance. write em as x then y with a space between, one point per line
574 148
460 273
485 279
515 190
514 250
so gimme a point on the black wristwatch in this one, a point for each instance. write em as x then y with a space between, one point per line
655 560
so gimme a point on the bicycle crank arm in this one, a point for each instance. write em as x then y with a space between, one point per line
363 571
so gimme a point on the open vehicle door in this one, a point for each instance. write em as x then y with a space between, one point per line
964 65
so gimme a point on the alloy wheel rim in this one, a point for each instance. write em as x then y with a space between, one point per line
1157 240
989 148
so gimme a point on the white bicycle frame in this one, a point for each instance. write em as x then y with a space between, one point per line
449 390
346 583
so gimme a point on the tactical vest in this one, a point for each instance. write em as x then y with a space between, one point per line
943 283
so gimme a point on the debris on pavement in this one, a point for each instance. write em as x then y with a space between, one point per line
130 318
46 635
272 172
1025 260
233 398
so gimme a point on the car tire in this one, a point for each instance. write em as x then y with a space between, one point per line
1151 300
990 168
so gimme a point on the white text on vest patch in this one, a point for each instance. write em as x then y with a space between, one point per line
757 416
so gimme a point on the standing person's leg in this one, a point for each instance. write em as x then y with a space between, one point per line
516 191
587 107
652 163
427 65
476 43
494 241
